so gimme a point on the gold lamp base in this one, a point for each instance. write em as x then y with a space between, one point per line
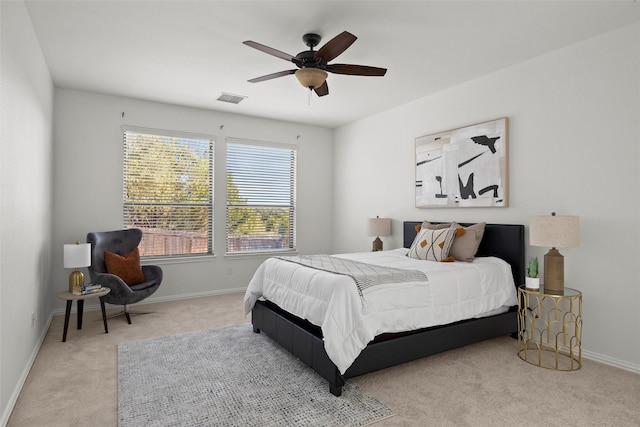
554 272
377 245
76 280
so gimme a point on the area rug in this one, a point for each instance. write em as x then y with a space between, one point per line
230 377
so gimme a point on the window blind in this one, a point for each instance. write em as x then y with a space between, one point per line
167 192
261 196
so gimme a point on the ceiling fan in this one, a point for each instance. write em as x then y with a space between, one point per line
313 65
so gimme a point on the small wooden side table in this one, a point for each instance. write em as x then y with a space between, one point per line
70 297
550 328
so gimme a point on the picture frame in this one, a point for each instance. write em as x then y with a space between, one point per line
463 167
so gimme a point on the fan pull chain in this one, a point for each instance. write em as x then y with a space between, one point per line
309 98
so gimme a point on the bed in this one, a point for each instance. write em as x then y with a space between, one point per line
306 341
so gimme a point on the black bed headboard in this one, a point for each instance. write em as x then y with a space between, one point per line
505 241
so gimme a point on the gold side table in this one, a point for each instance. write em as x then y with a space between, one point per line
550 328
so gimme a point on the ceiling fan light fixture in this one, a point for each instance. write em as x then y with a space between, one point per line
311 78
313 65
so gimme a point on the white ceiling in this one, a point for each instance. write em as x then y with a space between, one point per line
189 52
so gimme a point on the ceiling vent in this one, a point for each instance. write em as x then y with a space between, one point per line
231 98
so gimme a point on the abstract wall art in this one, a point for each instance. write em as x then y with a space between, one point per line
464 167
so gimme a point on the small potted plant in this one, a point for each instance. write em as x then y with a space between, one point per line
532 281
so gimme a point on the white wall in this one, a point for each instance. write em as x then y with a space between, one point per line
88 182
26 106
565 108
574 118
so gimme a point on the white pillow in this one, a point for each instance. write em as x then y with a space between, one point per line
432 245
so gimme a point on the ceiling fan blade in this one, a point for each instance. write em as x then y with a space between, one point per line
356 70
272 76
323 89
335 46
271 51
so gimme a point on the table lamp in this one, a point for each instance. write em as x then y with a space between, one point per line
379 227
75 256
555 231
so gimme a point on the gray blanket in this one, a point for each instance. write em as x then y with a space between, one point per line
364 275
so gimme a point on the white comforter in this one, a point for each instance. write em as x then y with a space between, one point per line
453 292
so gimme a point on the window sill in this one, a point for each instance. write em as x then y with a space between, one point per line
177 259
258 254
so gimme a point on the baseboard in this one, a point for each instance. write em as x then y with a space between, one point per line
18 388
611 361
153 299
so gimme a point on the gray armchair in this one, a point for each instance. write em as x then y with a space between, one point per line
121 242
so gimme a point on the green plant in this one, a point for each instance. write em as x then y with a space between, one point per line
532 271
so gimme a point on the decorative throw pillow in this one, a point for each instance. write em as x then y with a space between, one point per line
126 266
432 245
465 245
432 226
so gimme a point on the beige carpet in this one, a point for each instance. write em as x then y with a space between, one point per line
75 383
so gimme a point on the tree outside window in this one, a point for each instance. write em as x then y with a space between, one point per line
167 192
260 196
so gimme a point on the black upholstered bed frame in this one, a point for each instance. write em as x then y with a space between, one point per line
304 340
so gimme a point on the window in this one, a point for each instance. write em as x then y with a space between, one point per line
167 191
261 196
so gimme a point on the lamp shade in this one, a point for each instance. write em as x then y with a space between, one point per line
554 231
311 77
379 227
77 255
